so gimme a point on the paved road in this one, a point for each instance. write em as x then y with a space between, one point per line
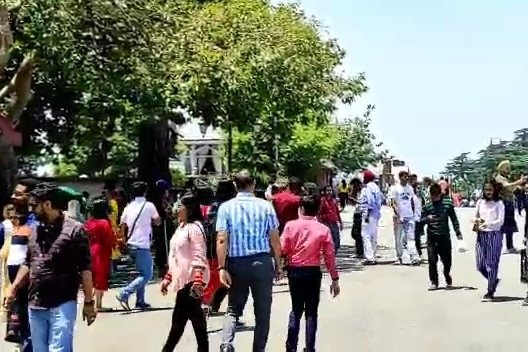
383 308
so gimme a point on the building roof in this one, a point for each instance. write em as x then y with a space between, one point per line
190 131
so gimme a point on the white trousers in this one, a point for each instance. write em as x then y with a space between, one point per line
404 239
369 234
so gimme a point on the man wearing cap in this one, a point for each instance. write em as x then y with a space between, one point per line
136 229
58 259
370 202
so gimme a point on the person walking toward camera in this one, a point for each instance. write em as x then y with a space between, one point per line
248 230
436 215
188 273
489 219
370 208
302 243
58 259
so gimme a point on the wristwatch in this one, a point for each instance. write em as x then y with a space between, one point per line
221 268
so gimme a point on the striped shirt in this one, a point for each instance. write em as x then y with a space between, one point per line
19 245
248 221
436 216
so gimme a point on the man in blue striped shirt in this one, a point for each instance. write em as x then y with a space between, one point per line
247 238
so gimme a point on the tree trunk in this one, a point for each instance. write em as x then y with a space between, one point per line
8 171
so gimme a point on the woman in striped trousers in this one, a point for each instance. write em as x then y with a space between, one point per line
488 222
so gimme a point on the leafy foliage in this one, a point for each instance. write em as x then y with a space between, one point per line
472 173
106 66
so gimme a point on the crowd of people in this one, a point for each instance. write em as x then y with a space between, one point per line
225 244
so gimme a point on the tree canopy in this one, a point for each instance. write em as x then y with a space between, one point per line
471 173
106 66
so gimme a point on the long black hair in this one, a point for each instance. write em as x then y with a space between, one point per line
225 191
100 209
497 188
194 212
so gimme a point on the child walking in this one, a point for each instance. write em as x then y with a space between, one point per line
436 215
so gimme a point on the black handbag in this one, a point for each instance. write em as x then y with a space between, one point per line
13 326
524 266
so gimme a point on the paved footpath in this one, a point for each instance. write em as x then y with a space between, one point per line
382 308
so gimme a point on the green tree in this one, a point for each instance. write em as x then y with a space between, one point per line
254 68
355 145
98 76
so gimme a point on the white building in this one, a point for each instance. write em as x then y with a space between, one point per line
201 149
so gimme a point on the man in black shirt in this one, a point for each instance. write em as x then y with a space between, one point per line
58 259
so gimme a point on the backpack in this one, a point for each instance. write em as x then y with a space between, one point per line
209 225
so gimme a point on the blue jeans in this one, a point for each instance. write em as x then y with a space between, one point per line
52 329
336 235
144 265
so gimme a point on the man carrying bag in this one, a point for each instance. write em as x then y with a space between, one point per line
136 231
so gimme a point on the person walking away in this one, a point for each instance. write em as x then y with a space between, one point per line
489 218
435 216
251 240
418 228
302 243
136 229
58 260
102 242
214 292
342 193
510 225
329 215
188 275
13 253
370 207
402 203
287 202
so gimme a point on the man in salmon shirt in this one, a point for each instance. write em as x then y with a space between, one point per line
302 243
287 202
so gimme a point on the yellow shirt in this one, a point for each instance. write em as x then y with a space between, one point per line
113 222
343 189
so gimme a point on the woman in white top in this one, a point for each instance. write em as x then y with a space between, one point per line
488 223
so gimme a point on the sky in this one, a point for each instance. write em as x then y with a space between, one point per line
445 76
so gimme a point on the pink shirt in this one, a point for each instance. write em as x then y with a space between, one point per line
304 240
187 251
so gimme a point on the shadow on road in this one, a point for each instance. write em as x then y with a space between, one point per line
347 261
137 311
458 288
501 299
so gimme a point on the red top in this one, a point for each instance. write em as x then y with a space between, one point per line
329 211
286 206
205 210
302 242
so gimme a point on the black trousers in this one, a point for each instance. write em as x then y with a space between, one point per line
187 308
161 245
439 248
218 298
418 233
356 233
305 292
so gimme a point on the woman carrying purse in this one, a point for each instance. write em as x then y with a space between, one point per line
188 275
487 225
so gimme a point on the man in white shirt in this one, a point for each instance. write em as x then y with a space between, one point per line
402 202
136 226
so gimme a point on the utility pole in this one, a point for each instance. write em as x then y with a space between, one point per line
276 144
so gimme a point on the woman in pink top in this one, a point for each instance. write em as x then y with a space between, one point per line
302 242
188 275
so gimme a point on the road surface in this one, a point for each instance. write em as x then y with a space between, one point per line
381 308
